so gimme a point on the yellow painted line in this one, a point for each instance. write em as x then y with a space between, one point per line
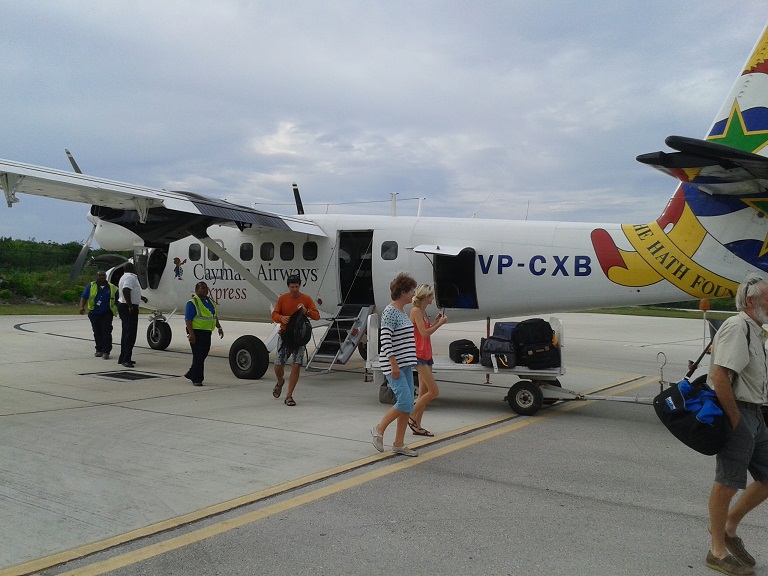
101 545
280 507
226 525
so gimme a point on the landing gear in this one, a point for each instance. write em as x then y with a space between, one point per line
248 358
159 334
525 398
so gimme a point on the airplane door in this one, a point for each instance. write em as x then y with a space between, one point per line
355 267
455 280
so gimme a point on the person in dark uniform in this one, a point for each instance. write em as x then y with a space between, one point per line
200 318
101 298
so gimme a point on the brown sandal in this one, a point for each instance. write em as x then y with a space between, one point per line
290 401
278 389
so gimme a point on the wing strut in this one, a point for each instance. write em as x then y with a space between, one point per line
10 183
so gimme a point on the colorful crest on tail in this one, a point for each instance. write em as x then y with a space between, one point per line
714 230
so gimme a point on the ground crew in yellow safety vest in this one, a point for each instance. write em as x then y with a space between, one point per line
200 318
101 297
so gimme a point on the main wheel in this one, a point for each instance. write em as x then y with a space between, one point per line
248 358
525 398
159 335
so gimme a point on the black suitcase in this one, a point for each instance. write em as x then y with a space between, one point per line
504 350
539 356
460 352
533 331
505 330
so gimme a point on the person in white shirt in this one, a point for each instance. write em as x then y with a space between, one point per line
130 297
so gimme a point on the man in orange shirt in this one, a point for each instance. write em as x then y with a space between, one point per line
286 305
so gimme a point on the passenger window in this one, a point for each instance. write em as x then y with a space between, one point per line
286 251
389 250
309 251
194 252
267 251
246 251
213 257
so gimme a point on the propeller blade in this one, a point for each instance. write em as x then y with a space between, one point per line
80 262
75 167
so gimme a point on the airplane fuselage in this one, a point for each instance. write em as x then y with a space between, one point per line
480 268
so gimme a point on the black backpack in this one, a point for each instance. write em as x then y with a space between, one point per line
297 332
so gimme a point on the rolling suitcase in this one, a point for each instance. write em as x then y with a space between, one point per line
505 330
539 356
504 350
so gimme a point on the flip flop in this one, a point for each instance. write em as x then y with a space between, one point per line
290 401
278 389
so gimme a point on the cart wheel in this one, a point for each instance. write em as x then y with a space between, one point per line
525 398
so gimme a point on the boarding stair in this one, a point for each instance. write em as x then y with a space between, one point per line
342 337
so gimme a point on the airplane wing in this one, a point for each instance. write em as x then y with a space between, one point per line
157 216
710 167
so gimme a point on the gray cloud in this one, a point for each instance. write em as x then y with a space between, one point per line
500 109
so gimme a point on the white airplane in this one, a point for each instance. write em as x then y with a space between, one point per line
711 234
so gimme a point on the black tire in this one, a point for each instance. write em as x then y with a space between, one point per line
248 358
525 398
159 335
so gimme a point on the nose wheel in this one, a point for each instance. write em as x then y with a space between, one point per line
159 335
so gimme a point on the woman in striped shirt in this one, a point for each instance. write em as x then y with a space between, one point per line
397 357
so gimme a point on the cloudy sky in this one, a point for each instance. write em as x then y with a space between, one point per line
497 109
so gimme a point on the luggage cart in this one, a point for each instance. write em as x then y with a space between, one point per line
536 388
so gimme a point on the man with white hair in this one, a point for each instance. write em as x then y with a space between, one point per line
739 375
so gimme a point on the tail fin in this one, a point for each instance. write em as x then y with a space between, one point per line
714 231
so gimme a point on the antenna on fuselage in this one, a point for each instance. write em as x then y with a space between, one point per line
297 197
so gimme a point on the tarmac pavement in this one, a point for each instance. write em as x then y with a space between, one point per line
92 461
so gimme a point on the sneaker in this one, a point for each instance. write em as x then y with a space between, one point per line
378 439
404 450
105 356
129 364
736 547
728 565
98 354
197 383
